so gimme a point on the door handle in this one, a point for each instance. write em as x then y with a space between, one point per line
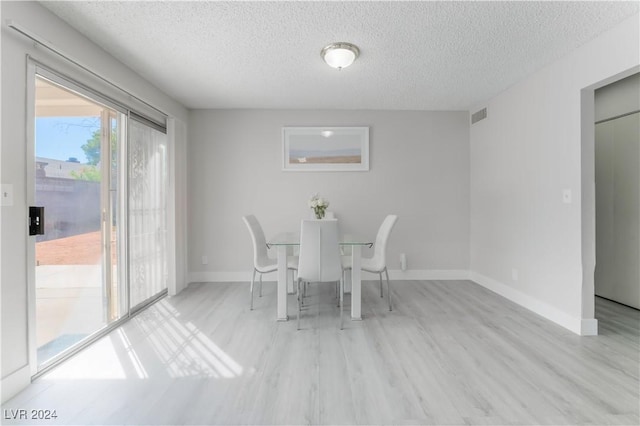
36 220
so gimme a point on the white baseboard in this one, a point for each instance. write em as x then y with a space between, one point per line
423 274
394 274
589 327
14 383
583 327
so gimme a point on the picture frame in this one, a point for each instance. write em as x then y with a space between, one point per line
325 149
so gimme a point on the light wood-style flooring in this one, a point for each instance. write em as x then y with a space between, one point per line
450 353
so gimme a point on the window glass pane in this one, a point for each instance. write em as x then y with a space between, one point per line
73 283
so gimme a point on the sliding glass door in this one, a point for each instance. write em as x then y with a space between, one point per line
76 178
100 173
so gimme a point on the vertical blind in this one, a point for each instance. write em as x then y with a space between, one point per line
148 188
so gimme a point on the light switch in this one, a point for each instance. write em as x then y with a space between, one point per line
566 196
6 194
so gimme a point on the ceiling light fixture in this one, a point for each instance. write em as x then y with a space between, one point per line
340 55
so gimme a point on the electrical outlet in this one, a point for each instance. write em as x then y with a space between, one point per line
205 260
514 274
566 196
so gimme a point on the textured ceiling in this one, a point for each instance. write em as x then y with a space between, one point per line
414 55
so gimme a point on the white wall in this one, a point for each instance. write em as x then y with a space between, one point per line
180 199
523 156
419 170
15 368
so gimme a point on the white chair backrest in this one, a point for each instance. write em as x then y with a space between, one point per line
319 251
260 256
380 248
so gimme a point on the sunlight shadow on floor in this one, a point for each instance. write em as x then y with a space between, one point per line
165 347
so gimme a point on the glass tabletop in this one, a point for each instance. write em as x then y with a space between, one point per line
293 239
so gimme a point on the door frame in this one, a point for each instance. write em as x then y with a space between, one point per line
589 323
31 196
35 67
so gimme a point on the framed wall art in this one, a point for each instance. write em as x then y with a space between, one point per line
325 149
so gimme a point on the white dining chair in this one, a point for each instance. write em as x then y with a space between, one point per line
262 263
319 257
378 263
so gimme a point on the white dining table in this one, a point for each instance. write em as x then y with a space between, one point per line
284 244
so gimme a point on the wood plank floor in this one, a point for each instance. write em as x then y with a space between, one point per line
451 352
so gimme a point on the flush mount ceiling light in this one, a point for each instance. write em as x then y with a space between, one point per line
340 55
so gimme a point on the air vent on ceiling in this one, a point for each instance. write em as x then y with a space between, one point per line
477 116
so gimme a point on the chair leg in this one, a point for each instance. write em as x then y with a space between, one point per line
260 285
253 279
380 276
388 288
341 301
299 297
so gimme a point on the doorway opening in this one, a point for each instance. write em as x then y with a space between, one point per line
617 195
589 118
